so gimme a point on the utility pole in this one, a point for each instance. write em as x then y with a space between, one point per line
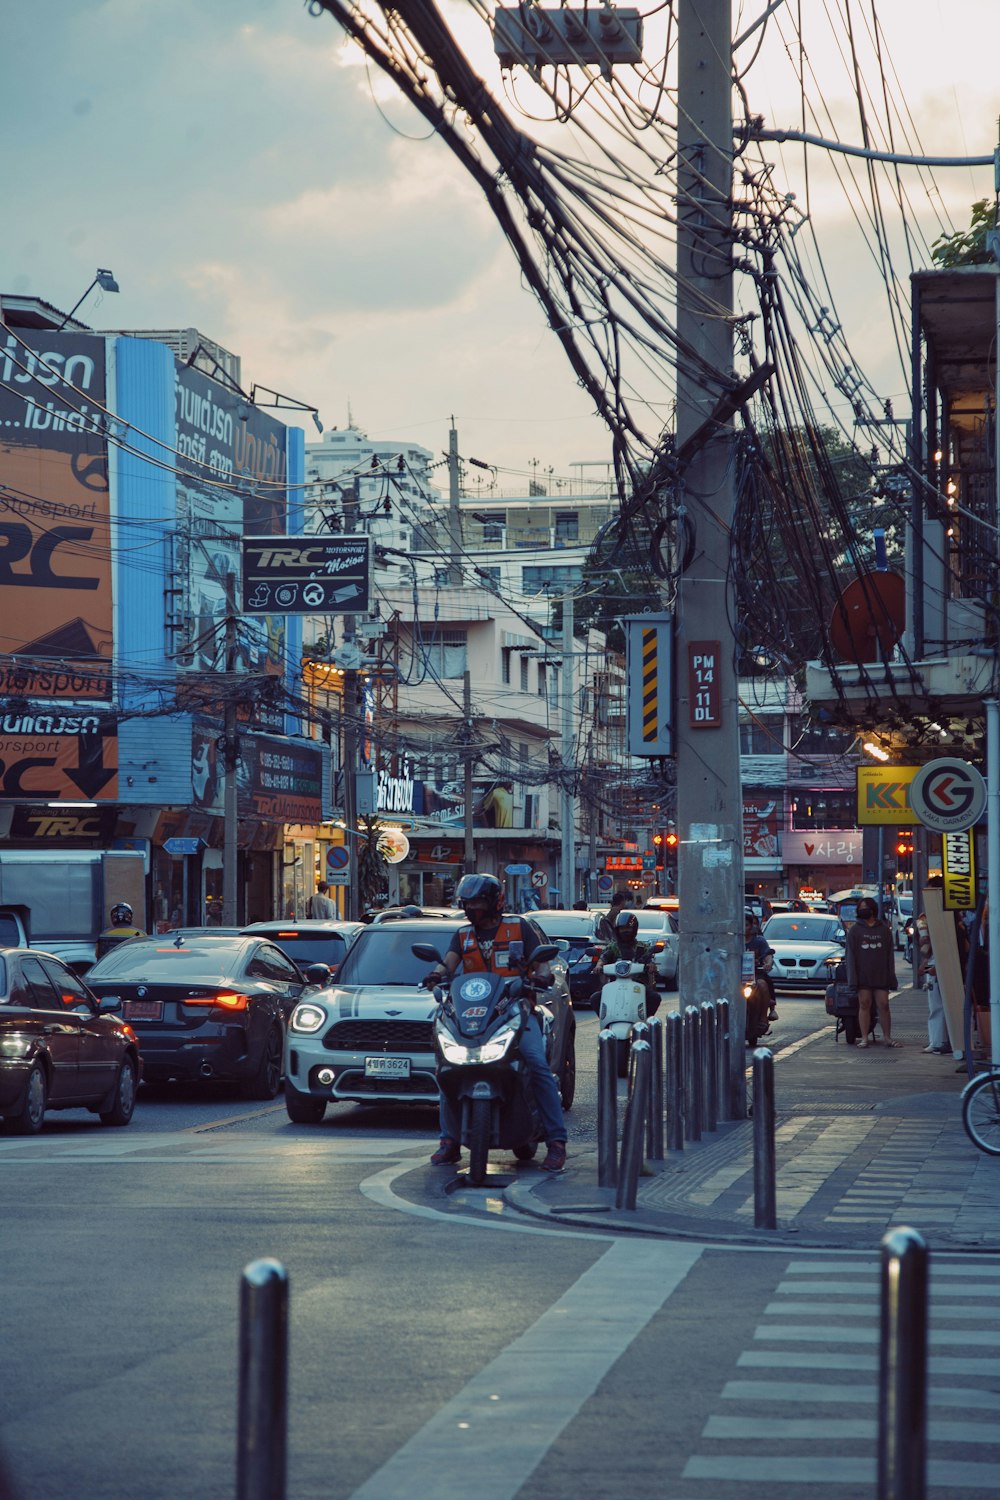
469 854
349 720
231 756
709 793
567 818
454 513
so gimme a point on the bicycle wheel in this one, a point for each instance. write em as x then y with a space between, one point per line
981 1112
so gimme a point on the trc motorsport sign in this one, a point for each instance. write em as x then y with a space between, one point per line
948 795
305 575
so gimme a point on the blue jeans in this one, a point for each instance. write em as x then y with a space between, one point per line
543 1086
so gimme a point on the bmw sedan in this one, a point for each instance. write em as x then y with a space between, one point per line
205 1007
60 1047
368 1038
807 947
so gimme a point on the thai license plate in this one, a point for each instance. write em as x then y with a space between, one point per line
387 1067
144 1010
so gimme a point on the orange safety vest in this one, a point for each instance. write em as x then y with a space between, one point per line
473 958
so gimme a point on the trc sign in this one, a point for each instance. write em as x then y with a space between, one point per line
305 575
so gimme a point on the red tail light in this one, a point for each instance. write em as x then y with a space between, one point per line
225 1000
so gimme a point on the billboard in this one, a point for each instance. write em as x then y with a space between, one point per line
884 795
277 780
55 552
58 757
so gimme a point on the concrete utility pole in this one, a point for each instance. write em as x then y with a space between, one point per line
231 756
709 792
469 853
567 819
454 511
349 720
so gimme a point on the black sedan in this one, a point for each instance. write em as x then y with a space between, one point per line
59 1046
205 1007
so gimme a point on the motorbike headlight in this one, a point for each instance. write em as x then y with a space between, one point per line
485 1052
307 1018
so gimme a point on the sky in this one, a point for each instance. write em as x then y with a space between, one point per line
242 169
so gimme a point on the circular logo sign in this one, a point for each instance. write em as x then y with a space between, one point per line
948 795
474 989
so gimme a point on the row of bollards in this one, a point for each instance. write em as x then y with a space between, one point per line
698 1071
262 1409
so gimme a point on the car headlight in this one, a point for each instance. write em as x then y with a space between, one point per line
487 1052
307 1017
15 1046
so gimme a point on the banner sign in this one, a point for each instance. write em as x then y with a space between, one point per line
57 757
884 795
822 846
958 869
760 827
305 575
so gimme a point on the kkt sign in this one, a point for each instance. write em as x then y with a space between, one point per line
884 795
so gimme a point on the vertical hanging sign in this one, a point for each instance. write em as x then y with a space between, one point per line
958 869
650 685
704 687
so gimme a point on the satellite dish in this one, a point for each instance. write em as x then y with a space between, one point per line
869 617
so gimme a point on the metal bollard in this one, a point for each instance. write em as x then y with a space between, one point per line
692 1073
675 1081
607 1109
709 1058
902 1394
765 1214
654 1133
634 1129
262 1411
724 1062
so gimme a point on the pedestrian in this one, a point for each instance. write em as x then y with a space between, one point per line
937 1036
871 969
320 905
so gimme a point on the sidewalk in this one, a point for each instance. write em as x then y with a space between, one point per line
863 1141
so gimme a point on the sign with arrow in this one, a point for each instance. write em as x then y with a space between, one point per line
59 757
305 575
948 795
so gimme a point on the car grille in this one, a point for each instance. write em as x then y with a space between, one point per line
420 1085
373 1036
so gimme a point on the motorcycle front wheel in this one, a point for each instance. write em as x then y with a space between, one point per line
479 1140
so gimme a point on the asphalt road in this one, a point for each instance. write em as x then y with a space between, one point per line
438 1346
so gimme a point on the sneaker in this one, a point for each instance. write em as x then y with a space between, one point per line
555 1157
448 1151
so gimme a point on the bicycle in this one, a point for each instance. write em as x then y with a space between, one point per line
981 1111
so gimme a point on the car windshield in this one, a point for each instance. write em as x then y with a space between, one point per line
577 927
201 960
652 921
382 953
309 947
801 927
904 905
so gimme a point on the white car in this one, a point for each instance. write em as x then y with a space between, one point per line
659 928
807 948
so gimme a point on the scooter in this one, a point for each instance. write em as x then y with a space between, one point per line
622 1004
479 1020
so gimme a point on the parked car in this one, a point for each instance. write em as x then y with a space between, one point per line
661 930
60 1046
206 1007
367 1038
576 933
760 906
317 940
807 947
901 911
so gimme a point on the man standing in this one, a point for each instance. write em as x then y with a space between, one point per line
320 904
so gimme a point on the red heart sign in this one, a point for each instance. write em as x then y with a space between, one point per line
809 848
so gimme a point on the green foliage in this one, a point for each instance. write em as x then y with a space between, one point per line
967 247
372 883
616 582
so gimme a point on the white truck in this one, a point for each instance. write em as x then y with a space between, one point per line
60 901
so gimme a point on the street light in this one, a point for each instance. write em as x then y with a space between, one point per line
105 280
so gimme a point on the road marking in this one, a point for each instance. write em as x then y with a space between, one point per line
538 1384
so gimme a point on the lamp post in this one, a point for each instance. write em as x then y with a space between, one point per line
105 280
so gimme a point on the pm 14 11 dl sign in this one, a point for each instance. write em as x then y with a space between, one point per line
704 688
305 575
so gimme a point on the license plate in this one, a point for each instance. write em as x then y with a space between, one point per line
144 1010
387 1067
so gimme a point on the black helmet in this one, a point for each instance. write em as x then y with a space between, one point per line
121 915
626 926
480 888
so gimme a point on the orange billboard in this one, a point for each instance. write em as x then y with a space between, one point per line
56 637
58 757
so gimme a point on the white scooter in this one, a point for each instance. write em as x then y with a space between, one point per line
622 1004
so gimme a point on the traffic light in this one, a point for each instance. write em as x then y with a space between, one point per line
658 846
671 841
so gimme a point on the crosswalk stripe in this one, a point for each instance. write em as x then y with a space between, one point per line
763 1391
857 1309
823 1428
821 1333
825 1469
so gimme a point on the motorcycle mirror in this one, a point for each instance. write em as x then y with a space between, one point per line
543 954
427 952
318 974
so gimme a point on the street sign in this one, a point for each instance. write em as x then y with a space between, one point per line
338 857
948 795
517 869
649 861
305 575
182 846
884 795
539 879
338 877
605 883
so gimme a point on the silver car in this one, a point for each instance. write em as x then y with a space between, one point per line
807 948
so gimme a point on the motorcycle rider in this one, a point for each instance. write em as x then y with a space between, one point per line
484 946
121 929
625 944
759 1015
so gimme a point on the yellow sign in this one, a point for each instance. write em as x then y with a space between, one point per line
958 866
884 795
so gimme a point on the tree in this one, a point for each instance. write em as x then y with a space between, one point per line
967 247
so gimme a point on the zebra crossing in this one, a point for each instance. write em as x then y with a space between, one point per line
803 1412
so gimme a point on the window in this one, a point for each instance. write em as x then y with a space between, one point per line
445 654
824 809
567 527
763 735
561 580
810 738
490 578
524 673
541 679
505 664
70 988
492 531
41 993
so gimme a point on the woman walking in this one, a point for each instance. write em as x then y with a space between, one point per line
871 969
